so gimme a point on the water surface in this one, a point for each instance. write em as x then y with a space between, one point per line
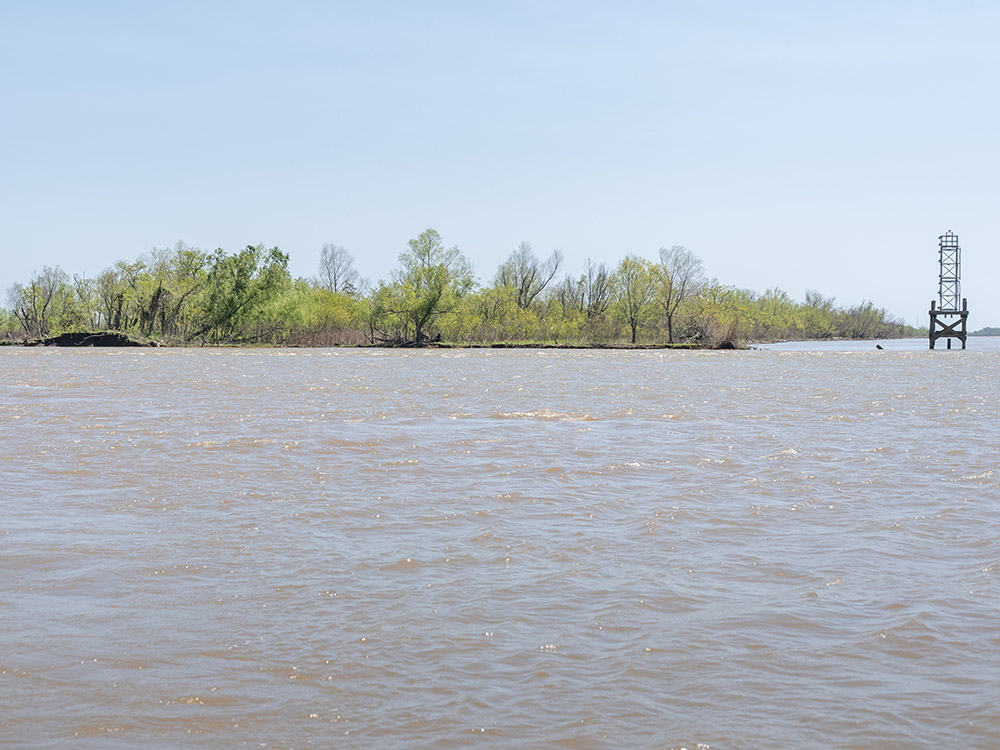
505 549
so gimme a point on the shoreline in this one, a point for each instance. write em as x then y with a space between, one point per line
115 339
111 340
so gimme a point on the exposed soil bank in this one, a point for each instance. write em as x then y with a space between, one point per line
98 338
113 338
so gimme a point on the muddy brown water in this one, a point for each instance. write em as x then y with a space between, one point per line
499 549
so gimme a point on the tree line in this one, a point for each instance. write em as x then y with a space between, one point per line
182 295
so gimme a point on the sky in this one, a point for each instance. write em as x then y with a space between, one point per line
803 145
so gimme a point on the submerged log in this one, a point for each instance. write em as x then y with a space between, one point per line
93 338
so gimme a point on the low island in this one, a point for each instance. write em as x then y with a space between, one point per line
182 296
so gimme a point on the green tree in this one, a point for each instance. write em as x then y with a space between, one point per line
491 315
634 290
118 295
865 321
818 315
569 296
678 276
430 281
308 315
8 325
32 304
597 284
720 314
775 316
85 296
237 288
186 276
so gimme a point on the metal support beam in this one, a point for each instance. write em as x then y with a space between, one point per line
942 328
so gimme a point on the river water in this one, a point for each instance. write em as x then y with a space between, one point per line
500 549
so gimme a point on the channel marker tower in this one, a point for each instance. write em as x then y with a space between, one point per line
948 321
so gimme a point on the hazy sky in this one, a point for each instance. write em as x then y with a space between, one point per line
800 145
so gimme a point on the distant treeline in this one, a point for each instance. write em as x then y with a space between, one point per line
183 295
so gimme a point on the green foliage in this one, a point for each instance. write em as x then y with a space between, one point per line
720 315
184 295
430 281
304 314
39 305
492 315
634 288
238 287
677 278
10 329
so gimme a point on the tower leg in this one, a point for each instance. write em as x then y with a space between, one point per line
931 328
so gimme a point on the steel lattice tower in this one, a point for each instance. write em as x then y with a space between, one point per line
949 294
950 287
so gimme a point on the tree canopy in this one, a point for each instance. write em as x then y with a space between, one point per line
183 295
430 280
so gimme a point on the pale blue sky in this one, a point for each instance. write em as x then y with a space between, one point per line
803 145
